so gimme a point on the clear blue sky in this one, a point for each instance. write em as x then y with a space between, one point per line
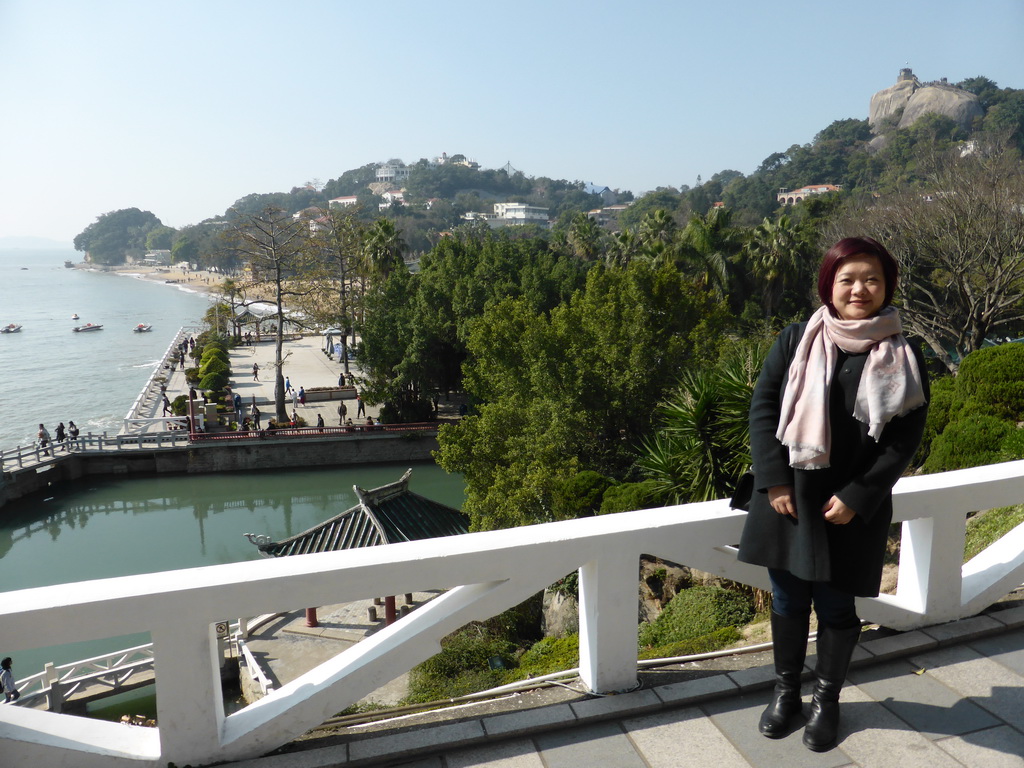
180 108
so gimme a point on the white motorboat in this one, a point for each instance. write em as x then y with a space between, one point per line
88 327
12 328
142 328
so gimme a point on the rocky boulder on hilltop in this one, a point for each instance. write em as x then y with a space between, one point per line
917 99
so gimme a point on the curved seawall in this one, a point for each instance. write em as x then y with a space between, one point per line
233 456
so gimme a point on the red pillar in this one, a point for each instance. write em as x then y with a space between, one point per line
311 618
390 614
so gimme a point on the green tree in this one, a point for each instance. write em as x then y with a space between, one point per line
781 262
573 389
116 235
703 444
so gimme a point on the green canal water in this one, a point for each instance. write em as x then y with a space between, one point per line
111 526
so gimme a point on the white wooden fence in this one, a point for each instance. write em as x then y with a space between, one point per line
483 573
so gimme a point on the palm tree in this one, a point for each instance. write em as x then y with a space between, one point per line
711 245
383 248
780 259
703 446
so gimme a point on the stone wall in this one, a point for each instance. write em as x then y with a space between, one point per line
228 456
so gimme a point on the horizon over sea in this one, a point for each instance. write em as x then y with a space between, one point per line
48 373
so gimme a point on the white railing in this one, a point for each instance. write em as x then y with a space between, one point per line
111 672
483 574
31 456
150 395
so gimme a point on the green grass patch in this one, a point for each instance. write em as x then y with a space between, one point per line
988 527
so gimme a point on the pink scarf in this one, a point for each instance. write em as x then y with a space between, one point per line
889 386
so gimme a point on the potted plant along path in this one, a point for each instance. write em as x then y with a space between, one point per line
317 394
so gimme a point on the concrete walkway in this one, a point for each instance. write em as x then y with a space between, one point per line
944 696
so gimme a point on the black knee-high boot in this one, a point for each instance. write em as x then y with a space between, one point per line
835 648
789 636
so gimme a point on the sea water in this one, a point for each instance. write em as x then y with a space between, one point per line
50 374
113 526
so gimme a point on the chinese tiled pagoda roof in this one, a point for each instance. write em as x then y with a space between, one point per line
384 515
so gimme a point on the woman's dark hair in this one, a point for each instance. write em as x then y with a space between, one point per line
847 248
6 663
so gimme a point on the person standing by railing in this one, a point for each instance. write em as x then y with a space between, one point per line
7 681
836 417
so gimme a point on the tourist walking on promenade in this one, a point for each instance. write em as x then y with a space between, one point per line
255 413
836 417
295 399
360 408
302 395
287 385
73 432
61 436
320 422
44 440
255 372
7 681
342 413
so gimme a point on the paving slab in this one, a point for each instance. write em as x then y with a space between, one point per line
873 737
737 717
1001 747
682 738
602 744
920 700
515 753
988 683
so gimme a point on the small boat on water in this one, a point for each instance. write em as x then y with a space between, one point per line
87 327
142 328
74 316
69 264
12 328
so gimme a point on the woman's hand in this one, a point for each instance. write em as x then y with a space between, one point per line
836 512
781 499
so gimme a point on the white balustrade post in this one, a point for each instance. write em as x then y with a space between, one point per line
931 557
189 700
608 622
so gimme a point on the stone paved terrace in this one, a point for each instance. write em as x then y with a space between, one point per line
947 695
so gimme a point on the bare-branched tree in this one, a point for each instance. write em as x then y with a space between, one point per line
959 240
274 246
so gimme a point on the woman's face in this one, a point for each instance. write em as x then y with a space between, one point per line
859 288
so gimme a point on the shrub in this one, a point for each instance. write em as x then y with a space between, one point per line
696 612
212 353
179 405
470 660
713 641
629 496
213 382
969 441
942 402
551 654
991 381
214 365
580 495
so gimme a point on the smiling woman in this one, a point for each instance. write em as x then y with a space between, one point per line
837 414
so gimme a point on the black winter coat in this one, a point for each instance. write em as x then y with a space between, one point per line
862 474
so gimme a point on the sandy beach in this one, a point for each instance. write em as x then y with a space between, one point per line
200 280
